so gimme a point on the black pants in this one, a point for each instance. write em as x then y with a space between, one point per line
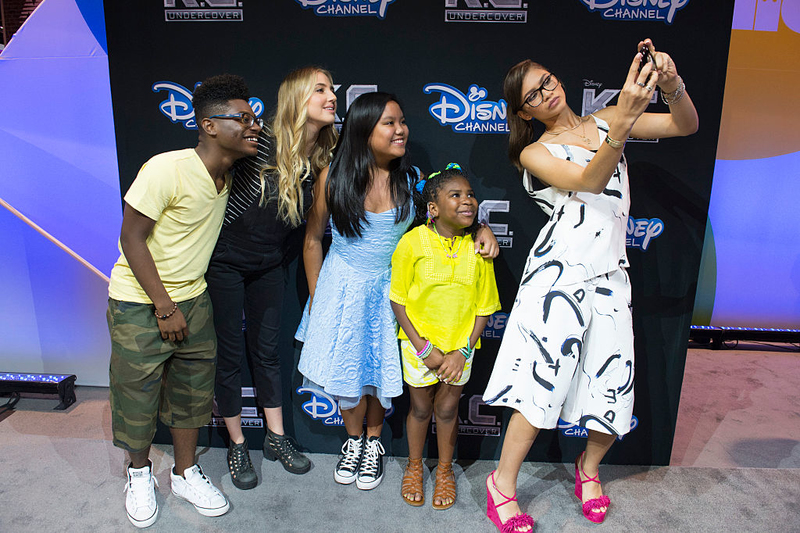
237 283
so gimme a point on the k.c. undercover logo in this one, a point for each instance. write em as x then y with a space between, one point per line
203 10
513 11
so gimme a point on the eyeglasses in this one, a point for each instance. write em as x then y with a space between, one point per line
535 98
246 119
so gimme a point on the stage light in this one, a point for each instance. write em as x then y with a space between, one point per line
61 384
719 334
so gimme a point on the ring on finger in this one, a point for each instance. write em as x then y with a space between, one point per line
648 87
640 84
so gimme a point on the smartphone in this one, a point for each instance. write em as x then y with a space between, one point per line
646 57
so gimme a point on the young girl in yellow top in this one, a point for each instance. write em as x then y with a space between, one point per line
442 294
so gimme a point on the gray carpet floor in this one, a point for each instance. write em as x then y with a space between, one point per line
52 483
60 472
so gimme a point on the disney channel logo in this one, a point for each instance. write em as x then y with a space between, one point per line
568 429
347 8
513 11
640 231
647 10
203 11
496 326
467 113
178 105
324 407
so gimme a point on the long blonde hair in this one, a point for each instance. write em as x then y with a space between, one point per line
288 128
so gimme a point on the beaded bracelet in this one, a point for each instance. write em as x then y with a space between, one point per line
164 317
425 351
674 96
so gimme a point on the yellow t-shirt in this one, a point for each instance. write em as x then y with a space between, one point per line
176 190
442 295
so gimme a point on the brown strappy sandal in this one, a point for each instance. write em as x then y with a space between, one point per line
445 486
412 483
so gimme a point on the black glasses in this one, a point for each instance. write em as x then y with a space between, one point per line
246 119
535 98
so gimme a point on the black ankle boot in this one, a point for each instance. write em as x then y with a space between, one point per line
283 449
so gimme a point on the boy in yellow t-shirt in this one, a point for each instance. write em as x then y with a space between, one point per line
442 295
159 314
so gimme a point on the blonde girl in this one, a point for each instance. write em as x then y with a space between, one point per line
269 199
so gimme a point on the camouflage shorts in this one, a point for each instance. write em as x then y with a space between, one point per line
152 377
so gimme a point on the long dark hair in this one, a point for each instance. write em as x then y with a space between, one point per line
521 130
351 169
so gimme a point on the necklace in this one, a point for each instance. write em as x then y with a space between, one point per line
582 135
448 250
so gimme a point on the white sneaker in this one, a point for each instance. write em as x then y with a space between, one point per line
197 489
140 502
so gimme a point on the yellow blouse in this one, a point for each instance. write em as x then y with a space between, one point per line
442 295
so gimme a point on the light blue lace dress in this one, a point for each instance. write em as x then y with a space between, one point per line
350 340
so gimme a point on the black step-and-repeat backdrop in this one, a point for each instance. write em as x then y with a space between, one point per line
446 60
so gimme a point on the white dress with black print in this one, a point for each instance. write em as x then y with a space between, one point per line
567 350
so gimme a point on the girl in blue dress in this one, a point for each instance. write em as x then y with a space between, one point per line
348 329
350 347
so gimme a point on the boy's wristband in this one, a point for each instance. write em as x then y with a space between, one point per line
166 315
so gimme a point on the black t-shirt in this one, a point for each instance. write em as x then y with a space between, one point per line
250 226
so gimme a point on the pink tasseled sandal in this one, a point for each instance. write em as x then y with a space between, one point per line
591 508
517 523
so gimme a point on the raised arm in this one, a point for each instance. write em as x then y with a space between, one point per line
633 100
317 221
682 118
136 227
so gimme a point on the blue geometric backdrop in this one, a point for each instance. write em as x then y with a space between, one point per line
60 208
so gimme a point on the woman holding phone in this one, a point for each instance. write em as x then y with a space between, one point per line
568 346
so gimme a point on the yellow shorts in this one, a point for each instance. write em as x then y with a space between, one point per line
416 374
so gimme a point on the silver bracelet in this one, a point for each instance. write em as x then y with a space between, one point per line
675 96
